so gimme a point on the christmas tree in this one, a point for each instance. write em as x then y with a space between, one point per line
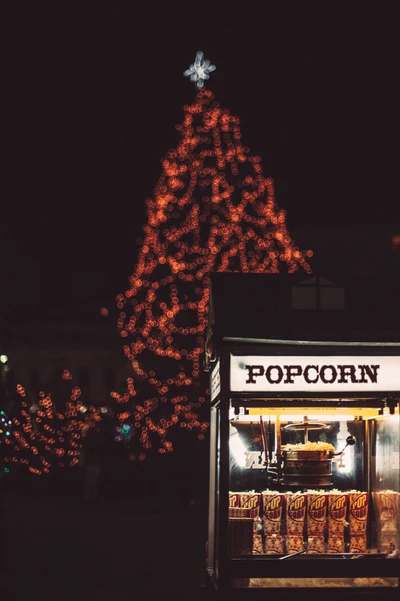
212 210
48 433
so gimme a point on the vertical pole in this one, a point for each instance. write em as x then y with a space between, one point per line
368 433
367 455
278 447
212 492
223 501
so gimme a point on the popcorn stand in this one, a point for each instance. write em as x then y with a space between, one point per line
305 437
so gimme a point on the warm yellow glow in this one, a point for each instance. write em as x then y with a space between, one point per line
334 413
388 416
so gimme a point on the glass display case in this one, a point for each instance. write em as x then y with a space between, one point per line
304 464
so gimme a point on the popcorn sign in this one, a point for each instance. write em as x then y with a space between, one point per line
262 373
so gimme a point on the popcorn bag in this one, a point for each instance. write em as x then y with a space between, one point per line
240 540
247 505
386 509
316 545
337 512
358 543
335 544
272 512
258 547
235 510
358 512
296 509
294 544
251 501
317 504
274 544
387 517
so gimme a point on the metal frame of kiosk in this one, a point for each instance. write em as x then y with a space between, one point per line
235 386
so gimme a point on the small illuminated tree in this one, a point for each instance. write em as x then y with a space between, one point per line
48 433
5 433
5 422
212 210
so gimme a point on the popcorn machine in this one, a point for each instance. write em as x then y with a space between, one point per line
304 438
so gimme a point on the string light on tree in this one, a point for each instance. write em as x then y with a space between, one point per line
48 434
5 428
5 422
212 210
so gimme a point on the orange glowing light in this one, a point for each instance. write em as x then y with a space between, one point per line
56 432
212 210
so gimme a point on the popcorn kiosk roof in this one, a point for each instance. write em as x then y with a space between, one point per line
304 435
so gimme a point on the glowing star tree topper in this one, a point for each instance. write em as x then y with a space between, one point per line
200 70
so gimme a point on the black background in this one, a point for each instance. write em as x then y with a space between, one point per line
93 96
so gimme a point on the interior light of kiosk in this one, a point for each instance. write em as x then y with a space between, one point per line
295 417
237 449
326 416
345 461
319 413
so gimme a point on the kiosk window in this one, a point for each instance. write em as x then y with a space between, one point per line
317 294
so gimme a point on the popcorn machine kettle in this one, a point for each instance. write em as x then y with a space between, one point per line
309 463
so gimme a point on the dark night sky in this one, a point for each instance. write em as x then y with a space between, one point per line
93 97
